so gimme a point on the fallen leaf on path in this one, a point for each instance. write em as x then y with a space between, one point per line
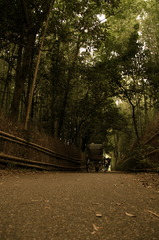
47 207
130 215
98 215
118 204
95 203
153 213
96 229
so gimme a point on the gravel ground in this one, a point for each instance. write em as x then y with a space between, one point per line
148 180
39 205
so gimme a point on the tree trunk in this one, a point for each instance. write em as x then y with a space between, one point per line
4 91
116 148
8 79
36 68
64 104
22 71
135 124
55 83
70 76
16 95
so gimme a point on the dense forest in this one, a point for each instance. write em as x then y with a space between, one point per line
82 70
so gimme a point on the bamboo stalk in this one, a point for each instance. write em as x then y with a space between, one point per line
36 70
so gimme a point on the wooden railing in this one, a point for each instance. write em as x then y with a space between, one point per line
15 150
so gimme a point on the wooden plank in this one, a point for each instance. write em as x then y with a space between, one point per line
21 141
23 160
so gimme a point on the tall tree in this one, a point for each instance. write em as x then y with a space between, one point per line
26 21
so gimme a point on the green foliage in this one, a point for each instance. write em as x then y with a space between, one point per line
97 79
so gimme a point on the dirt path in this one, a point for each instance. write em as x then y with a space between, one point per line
78 206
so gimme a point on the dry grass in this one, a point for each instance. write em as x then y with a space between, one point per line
37 137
